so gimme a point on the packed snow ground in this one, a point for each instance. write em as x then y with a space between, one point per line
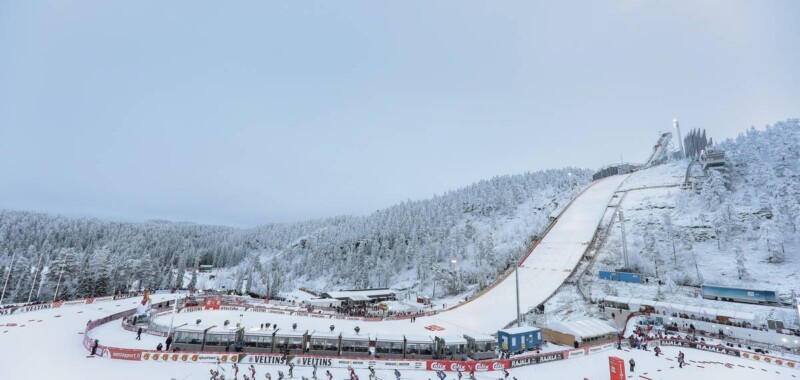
47 344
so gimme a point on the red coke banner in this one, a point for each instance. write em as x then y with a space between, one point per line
465 366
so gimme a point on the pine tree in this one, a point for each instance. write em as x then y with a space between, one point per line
63 277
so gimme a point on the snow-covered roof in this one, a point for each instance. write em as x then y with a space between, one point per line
323 301
519 330
258 331
219 330
419 338
325 334
357 297
584 328
359 336
193 328
698 311
480 337
453 339
389 338
291 333
363 293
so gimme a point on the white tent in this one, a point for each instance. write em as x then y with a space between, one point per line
583 329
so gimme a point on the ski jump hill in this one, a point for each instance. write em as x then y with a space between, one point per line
542 271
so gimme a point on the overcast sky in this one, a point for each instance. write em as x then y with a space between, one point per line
244 113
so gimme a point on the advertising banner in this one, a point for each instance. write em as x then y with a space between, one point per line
700 346
538 359
616 368
577 353
122 353
189 357
467 366
212 304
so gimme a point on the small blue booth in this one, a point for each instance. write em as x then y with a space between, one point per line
519 338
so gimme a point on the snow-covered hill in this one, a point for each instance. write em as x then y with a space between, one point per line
483 227
745 235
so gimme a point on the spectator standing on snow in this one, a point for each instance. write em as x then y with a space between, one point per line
159 347
94 347
169 342
632 363
139 334
680 359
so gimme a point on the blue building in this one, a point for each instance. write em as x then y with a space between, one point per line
519 338
724 293
621 276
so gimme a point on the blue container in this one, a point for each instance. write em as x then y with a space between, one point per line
724 293
519 338
621 276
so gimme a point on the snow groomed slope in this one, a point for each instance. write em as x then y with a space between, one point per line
549 264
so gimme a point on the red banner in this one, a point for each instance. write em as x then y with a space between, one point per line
616 368
212 304
464 366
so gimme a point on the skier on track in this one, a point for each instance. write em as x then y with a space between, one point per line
472 374
291 370
458 373
505 373
268 376
328 375
214 375
441 375
371 373
246 377
252 372
397 374
280 375
314 372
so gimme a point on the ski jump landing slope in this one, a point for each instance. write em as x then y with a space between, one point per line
545 269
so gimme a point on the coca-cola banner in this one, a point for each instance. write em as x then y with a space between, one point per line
538 359
450 365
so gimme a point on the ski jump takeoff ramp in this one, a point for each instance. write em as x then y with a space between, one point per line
544 269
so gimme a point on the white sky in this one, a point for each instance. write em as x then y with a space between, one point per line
261 112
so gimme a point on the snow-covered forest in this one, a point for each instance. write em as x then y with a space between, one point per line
735 227
483 228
